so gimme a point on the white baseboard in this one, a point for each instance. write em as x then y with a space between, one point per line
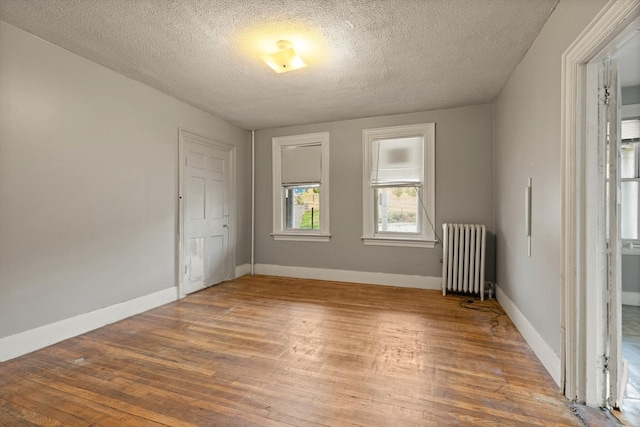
631 298
243 270
400 280
545 354
44 336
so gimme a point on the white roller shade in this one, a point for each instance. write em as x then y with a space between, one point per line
301 164
630 130
397 161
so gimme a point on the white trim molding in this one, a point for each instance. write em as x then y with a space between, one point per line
631 298
410 243
243 270
550 360
302 237
583 339
386 279
44 336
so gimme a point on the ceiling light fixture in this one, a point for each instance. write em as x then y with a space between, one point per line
285 59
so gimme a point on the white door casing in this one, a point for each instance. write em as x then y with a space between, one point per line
206 219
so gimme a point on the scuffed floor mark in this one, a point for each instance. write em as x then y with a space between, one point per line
594 417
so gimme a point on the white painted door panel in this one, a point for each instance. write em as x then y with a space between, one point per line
206 214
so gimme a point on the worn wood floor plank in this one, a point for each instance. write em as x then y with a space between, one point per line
269 351
87 411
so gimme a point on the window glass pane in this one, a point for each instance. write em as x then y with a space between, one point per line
629 205
628 161
397 209
302 208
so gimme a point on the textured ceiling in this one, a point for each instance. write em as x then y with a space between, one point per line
365 57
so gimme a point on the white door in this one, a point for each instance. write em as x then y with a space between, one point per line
609 114
205 244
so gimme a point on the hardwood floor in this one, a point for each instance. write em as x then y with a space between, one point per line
269 351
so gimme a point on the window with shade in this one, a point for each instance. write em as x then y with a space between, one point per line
399 186
301 187
630 183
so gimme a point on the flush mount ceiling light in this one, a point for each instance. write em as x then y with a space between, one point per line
285 59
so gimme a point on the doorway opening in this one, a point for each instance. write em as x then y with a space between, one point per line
628 60
593 367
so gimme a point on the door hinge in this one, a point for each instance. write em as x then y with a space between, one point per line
606 96
185 269
605 363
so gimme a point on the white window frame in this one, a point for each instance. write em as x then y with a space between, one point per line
426 206
630 112
279 230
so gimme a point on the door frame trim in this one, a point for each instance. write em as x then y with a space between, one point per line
188 136
580 342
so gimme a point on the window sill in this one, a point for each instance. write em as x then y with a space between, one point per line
302 237
396 241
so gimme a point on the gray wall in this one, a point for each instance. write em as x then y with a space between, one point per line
528 145
464 181
88 184
630 95
630 273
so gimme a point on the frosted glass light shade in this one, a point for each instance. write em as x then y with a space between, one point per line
285 59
